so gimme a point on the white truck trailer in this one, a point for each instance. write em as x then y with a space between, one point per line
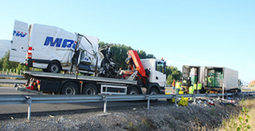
212 78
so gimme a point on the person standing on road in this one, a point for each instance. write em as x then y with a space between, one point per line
177 87
199 86
191 90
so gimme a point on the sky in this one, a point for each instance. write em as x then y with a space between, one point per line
4 47
184 32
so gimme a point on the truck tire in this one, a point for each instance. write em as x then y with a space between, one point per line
132 90
90 89
238 91
54 67
45 70
70 88
153 91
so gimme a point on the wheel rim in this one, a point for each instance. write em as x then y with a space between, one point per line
69 91
54 68
90 91
133 93
153 92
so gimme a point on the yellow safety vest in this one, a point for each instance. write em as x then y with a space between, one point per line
191 90
199 86
177 86
195 86
210 79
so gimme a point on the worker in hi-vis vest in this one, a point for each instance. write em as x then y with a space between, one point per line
181 89
184 82
180 84
199 86
210 80
195 86
177 87
191 90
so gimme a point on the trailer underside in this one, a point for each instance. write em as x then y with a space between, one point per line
75 84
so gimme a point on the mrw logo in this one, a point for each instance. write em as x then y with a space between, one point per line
19 33
59 42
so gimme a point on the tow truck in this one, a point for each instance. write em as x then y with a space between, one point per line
143 76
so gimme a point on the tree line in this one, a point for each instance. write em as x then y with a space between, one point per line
9 66
119 55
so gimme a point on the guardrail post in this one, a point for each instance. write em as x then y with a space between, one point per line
148 102
194 97
29 102
223 91
175 100
105 103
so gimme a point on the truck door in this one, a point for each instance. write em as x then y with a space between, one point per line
160 76
19 43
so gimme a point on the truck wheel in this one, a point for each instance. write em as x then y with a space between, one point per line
239 91
45 70
70 88
154 91
132 90
90 89
54 67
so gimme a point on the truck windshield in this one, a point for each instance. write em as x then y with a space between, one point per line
160 66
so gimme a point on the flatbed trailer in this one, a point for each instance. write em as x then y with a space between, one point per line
146 76
71 84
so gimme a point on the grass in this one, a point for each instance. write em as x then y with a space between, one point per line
245 120
145 124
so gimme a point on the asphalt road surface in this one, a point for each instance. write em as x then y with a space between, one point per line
46 109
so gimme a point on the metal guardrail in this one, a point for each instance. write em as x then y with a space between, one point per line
12 81
19 99
12 76
251 92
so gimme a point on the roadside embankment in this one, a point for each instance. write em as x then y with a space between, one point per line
195 116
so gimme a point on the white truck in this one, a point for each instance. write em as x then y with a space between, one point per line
212 78
52 49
